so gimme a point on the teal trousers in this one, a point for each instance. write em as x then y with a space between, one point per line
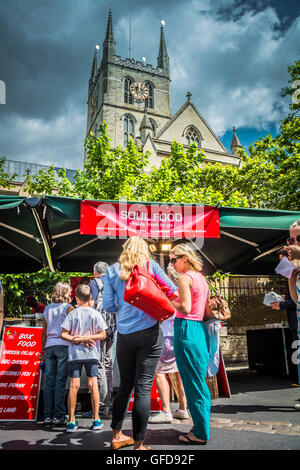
192 358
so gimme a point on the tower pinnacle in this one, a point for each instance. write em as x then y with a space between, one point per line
109 44
235 144
163 58
94 71
109 29
94 66
145 126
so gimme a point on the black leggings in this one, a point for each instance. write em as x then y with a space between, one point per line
138 354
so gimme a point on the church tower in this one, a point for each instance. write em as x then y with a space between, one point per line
120 90
134 99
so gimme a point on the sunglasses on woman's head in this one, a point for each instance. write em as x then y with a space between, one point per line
291 240
173 260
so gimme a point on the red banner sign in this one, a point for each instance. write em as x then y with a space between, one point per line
122 220
20 373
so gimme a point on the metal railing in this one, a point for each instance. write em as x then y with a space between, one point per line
21 169
245 297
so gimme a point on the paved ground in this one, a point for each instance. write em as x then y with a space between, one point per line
259 416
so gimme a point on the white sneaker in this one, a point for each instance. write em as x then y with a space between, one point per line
181 414
161 418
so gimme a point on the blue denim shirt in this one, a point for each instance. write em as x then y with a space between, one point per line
129 318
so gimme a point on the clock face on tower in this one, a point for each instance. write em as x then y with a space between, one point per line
139 91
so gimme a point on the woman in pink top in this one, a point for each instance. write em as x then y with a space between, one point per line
191 340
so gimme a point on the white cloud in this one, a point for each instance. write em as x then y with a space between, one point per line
234 69
58 141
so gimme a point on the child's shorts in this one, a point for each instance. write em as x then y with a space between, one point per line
75 368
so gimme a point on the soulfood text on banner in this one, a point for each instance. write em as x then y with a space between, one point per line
122 220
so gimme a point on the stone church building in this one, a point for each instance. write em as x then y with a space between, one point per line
134 99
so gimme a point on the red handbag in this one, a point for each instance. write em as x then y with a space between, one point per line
144 292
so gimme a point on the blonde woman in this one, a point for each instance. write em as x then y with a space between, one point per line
191 340
55 352
167 365
139 343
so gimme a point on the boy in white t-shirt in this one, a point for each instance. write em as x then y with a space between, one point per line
84 327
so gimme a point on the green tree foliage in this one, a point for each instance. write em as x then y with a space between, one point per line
48 181
110 173
5 178
267 178
40 284
185 177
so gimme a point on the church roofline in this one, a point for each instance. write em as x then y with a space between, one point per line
180 111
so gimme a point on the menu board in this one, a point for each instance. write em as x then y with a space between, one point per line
20 374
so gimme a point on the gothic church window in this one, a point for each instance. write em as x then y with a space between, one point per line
191 135
128 98
149 101
128 128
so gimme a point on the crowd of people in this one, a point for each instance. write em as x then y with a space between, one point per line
82 332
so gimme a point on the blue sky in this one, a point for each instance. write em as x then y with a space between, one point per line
231 54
